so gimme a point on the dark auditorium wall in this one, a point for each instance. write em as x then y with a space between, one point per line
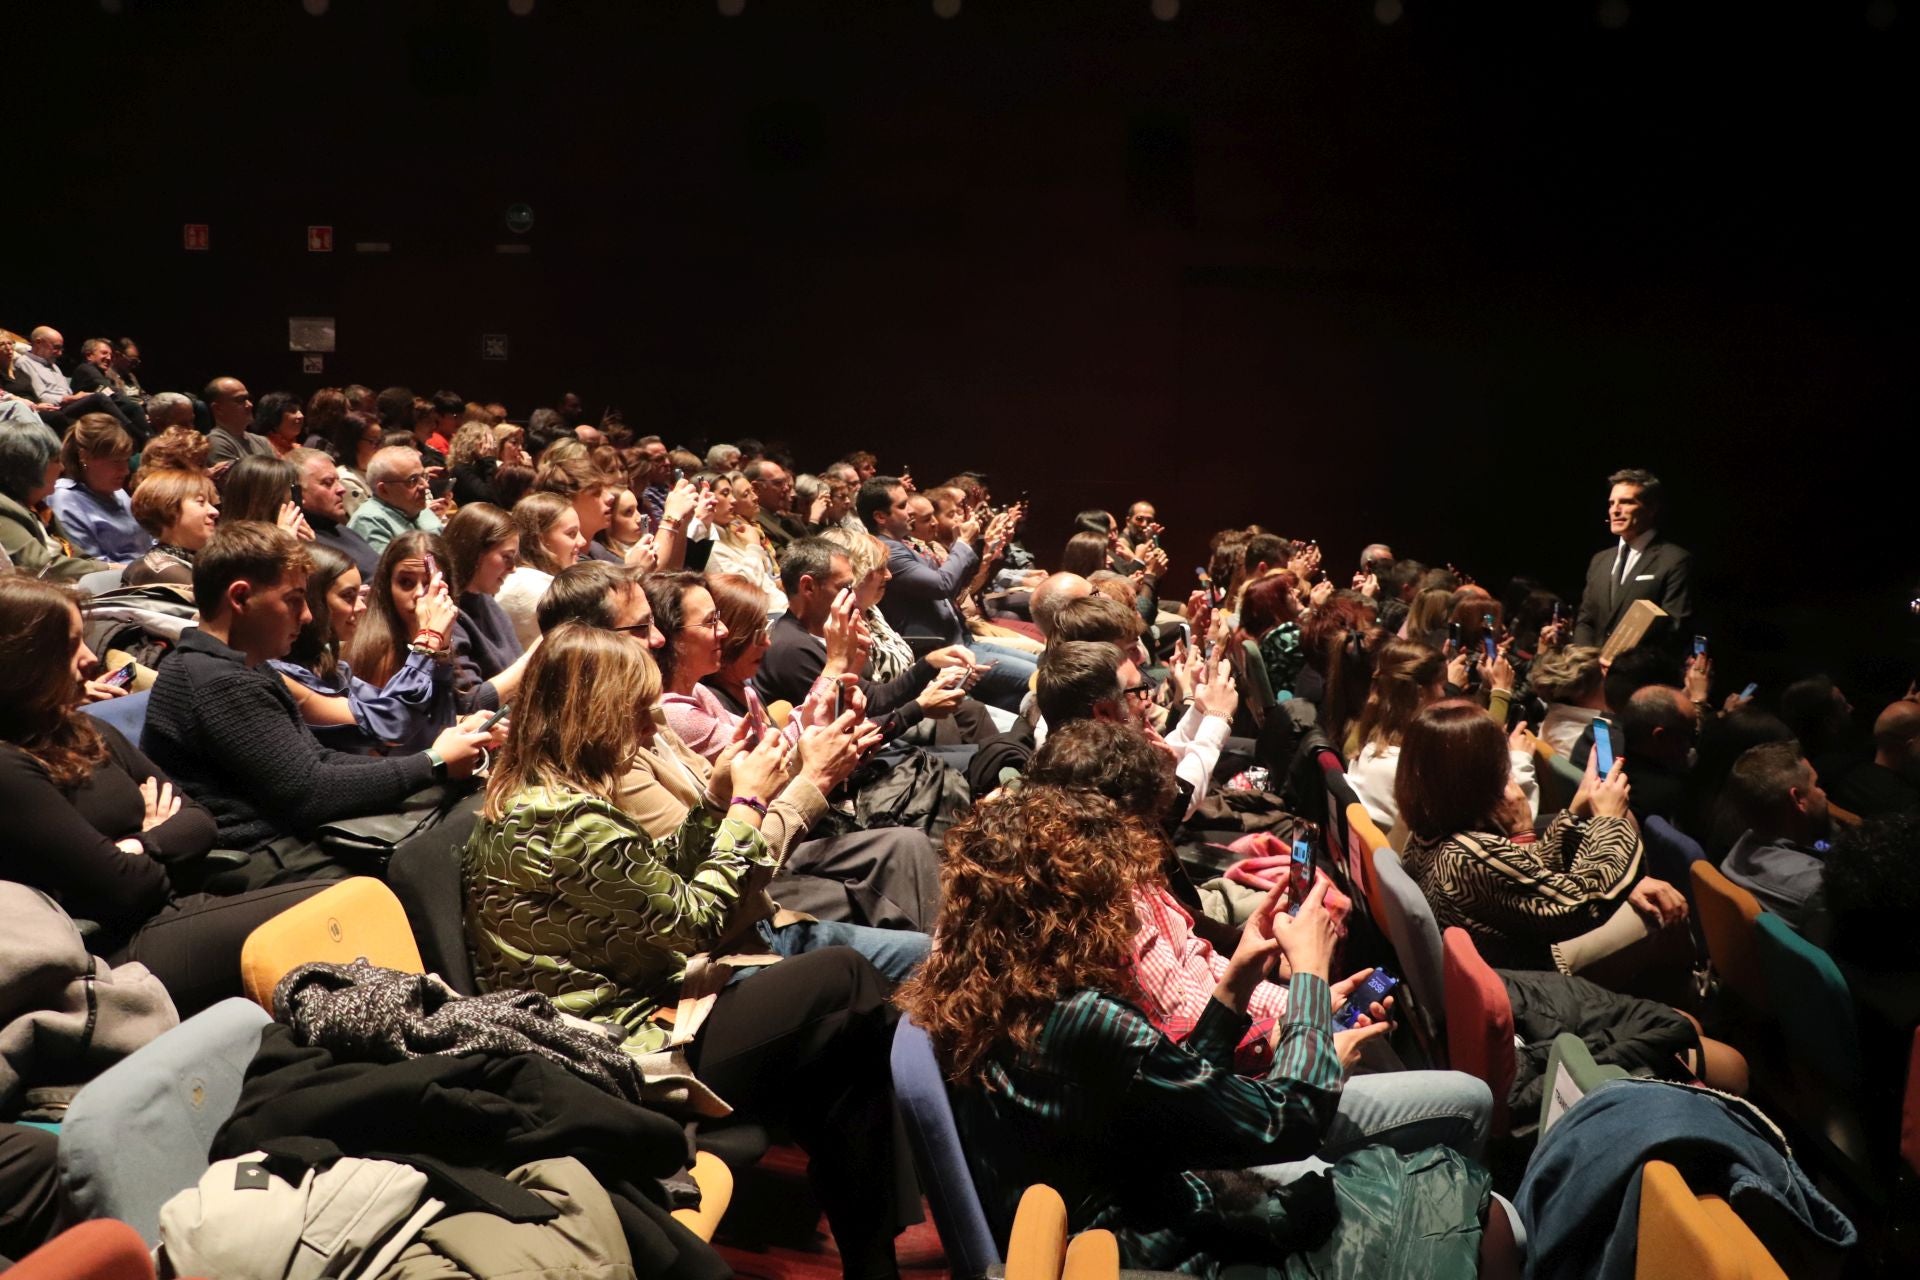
1427 281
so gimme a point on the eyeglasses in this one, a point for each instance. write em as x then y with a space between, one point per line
1139 692
413 481
710 624
642 629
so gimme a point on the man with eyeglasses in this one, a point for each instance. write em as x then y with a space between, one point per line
232 437
399 501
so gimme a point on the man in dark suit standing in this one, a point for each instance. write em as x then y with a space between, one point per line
1639 566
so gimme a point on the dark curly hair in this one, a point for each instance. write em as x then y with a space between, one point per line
1116 760
1037 903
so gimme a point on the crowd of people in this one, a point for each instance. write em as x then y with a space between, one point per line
759 761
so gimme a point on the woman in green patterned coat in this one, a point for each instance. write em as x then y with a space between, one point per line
566 894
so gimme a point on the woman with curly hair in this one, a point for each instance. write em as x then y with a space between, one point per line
1030 1000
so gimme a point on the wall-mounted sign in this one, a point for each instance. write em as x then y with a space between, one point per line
310 333
319 239
493 346
194 236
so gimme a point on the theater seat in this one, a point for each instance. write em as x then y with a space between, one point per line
357 919
1364 839
1413 930
128 714
1728 917
1479 1022
138 1133
922 1093
1687 1237
102 1250
1571 1075
425 876
715 1181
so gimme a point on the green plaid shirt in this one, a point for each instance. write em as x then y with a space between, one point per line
1119 1119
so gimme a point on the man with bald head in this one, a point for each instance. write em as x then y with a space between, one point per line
1059 590
398 479
54 395
1891 784
232 437
1659 726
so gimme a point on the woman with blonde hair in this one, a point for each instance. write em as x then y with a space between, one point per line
890 656
567 895
91 499
471 461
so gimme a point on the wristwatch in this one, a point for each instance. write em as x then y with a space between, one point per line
439 763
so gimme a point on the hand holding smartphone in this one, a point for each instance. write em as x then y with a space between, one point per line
1602 746
1378 986
123 677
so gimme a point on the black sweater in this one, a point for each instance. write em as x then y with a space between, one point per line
796 660
232 736
64 843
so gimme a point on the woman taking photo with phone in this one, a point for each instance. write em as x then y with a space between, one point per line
568 896
371 670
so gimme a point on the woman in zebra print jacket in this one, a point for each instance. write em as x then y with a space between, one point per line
1473 851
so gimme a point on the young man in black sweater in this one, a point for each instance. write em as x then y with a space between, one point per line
224 726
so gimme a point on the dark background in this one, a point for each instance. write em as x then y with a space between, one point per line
1426 281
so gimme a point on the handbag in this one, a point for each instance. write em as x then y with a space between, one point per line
368 841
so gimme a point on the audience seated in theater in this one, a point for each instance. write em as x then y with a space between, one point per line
1472 850
1056 1073
50 390
550 540
483 548
1053 594
223 726
90 498
823 634
647 925
180 509
323 502
95 824
232 437
920 599
1779 857
1821 718
887 878
1409 676
1270 616
373 670
1890 782
1178 971
99 370
29 466
176 448
472 458
1094 680
400 501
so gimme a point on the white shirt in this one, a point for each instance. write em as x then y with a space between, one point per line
1633 551
1564 724
519 598
1375 768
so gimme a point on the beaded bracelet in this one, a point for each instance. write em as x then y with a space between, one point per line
751 803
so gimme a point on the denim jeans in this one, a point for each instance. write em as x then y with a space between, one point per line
1406 1110
1006 684
896 953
